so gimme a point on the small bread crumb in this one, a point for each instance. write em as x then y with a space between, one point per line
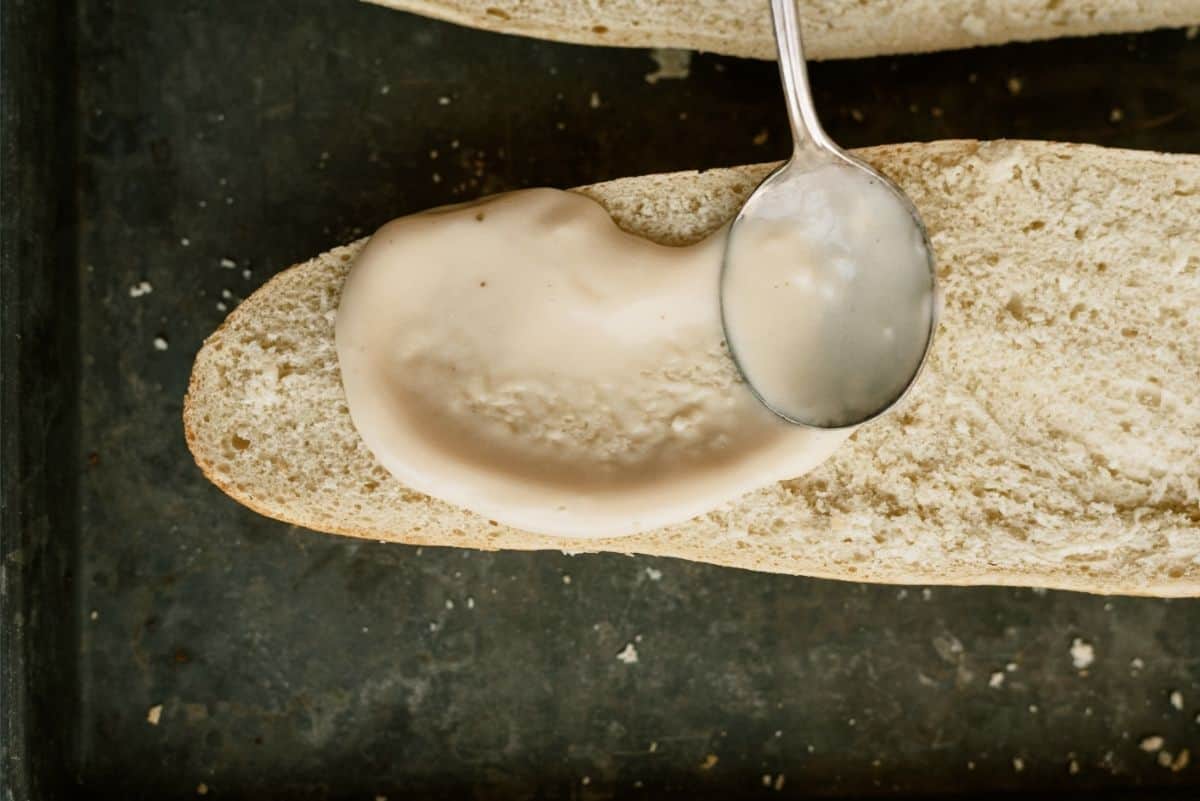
201 789
1176 699
140 288
1018 764
160 343
228 264
629 654
997 680
672 65
1151 743
154 714
1083 654
1015 86
710 761
653 575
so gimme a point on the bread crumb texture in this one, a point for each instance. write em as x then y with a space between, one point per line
832 28
1051 441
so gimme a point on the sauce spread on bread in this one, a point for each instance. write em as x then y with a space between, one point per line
525 358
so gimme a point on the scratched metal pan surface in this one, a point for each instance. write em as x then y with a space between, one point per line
162 160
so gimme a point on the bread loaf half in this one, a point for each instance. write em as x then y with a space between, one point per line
1054 439
832 28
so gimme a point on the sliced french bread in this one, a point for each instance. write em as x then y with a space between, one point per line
832 28
1053 441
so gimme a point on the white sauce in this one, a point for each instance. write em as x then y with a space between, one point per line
528 360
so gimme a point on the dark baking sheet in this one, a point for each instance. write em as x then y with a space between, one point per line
149 141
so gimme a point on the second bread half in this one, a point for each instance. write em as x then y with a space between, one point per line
832 28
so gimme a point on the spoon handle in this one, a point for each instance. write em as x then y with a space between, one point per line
807 134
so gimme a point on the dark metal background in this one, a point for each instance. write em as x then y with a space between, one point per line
149 141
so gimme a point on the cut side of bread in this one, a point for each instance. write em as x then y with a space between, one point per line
1052 440
832 28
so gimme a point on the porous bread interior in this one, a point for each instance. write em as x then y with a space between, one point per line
832 28
1052 440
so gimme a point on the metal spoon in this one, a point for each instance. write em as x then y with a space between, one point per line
828 284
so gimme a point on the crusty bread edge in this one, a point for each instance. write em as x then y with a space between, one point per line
530 29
